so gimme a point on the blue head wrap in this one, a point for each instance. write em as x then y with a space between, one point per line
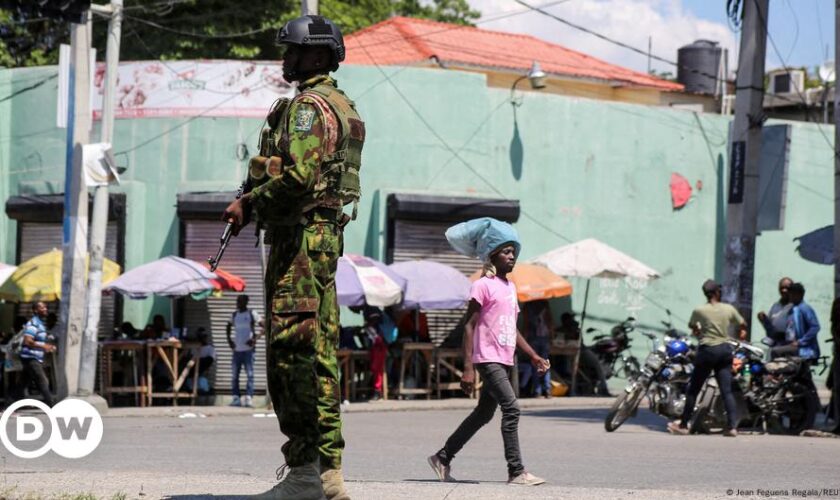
481 237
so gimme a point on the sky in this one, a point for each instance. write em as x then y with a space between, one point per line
800 28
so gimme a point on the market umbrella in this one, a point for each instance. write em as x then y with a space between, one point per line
591 258
818 245
432 285
535 282
361 280
39 278
169 277
6 271
225 281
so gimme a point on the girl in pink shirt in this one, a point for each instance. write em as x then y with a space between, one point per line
490 340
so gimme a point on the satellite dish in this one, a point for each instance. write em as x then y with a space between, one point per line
826 72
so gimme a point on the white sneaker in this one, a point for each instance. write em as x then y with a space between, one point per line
246 402
235 401
526 479
442 471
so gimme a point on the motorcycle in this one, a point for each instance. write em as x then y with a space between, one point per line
776 396
613 352
663 379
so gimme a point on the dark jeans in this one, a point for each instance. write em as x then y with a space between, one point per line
34 370
717 359
243 359
496 391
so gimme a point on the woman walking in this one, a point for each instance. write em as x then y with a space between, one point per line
490 339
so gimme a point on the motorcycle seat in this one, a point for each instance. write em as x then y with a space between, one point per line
782 366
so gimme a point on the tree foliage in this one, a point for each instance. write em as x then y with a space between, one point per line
206 29
29 42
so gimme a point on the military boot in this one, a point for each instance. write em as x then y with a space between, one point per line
301 483
333 483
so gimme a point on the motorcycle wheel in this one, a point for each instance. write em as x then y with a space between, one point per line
795 410
700 421
625 405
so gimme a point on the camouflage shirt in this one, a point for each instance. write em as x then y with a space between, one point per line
311 133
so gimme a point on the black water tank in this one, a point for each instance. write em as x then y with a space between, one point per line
699 64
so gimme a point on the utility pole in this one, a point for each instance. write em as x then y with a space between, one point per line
74 238
99 221
309 7
745 150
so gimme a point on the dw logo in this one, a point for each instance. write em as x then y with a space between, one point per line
75 429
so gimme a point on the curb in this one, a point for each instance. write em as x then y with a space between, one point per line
381 406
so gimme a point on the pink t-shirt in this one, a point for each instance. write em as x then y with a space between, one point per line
494 339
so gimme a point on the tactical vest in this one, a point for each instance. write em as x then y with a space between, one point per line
340 170
338 183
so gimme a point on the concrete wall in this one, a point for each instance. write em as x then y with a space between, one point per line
581 168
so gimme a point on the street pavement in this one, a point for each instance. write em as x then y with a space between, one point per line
224 453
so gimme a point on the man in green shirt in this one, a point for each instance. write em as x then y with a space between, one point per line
711 322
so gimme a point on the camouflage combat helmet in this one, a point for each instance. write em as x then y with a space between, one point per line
313 31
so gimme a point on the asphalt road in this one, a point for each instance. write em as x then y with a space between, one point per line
186 458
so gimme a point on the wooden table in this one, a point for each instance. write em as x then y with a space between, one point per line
569 348
168 351
343 358
349 361
136 352
410 350
446 358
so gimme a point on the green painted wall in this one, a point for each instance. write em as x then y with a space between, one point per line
580 168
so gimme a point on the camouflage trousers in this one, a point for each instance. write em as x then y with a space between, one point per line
303 375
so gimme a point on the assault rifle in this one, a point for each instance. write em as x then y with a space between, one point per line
226 234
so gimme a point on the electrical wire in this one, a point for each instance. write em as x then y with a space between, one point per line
619 43
29 88
176 127
480 126
202 36
456 154
763 21
796 29
823 46
159 58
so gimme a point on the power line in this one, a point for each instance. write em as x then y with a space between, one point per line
763 21
159 58
202 36
658 58
823 46
29 88
176 127
467 141
796 29
450 26
620 43
455 153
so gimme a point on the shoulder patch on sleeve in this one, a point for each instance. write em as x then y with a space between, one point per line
304 116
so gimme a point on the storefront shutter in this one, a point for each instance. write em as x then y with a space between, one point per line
40 237
242 258
415 240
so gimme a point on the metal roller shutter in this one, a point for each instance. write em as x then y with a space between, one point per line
40 237
242 258
414 240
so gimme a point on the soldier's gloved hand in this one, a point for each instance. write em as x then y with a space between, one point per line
238 213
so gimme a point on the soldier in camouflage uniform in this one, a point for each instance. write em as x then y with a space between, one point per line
307 171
